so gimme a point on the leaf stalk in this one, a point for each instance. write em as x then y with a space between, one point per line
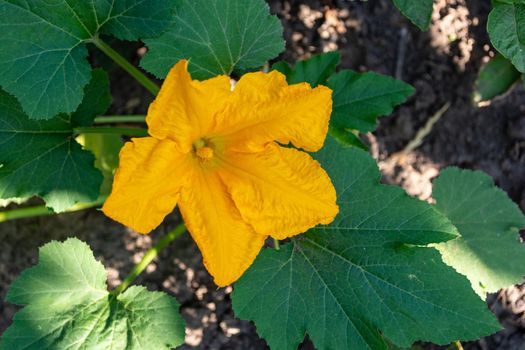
120 119
126 65
457 345
137 132
42 210
148 257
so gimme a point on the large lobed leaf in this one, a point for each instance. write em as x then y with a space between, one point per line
315 71
68 306
488 222
506 27
217 36
43 57
42 157
418 11
358 98
367 274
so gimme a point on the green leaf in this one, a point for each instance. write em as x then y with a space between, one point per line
43 57
495 78
217 36
68 306
488 222
42 158
315 70
418 11
506 27
347 137
359 98
366 274
106 148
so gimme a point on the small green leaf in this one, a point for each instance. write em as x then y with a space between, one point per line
359 98
106 148
495 78
347 137
43 57
217 36
418 11
42 158
488 222
68 306
315 70
506 27
365 275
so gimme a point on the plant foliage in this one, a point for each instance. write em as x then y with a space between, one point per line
217 37
366 274
358 98
68 306
418 11
314 71
488 222
43 57
506 28
495 78
42 158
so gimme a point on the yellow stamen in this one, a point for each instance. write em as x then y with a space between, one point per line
204 153
202 150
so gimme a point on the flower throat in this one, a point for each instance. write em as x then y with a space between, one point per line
203 150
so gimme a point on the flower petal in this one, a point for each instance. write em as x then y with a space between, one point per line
184 109
147 183
281 191
228 244
266 109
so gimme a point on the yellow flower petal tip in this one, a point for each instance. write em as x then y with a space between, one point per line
216 152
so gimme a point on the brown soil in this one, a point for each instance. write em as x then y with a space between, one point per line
441 63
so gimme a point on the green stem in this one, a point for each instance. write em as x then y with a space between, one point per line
128 67
457 345
148 257
138 132
42 210
120 119
276 244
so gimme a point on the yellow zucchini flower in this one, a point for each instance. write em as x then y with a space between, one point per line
218 153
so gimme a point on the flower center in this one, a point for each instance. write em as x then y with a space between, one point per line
203 149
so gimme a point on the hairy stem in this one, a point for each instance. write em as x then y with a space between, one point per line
149 256
425 130
120 119
128 67
42 210
276 244
138 132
